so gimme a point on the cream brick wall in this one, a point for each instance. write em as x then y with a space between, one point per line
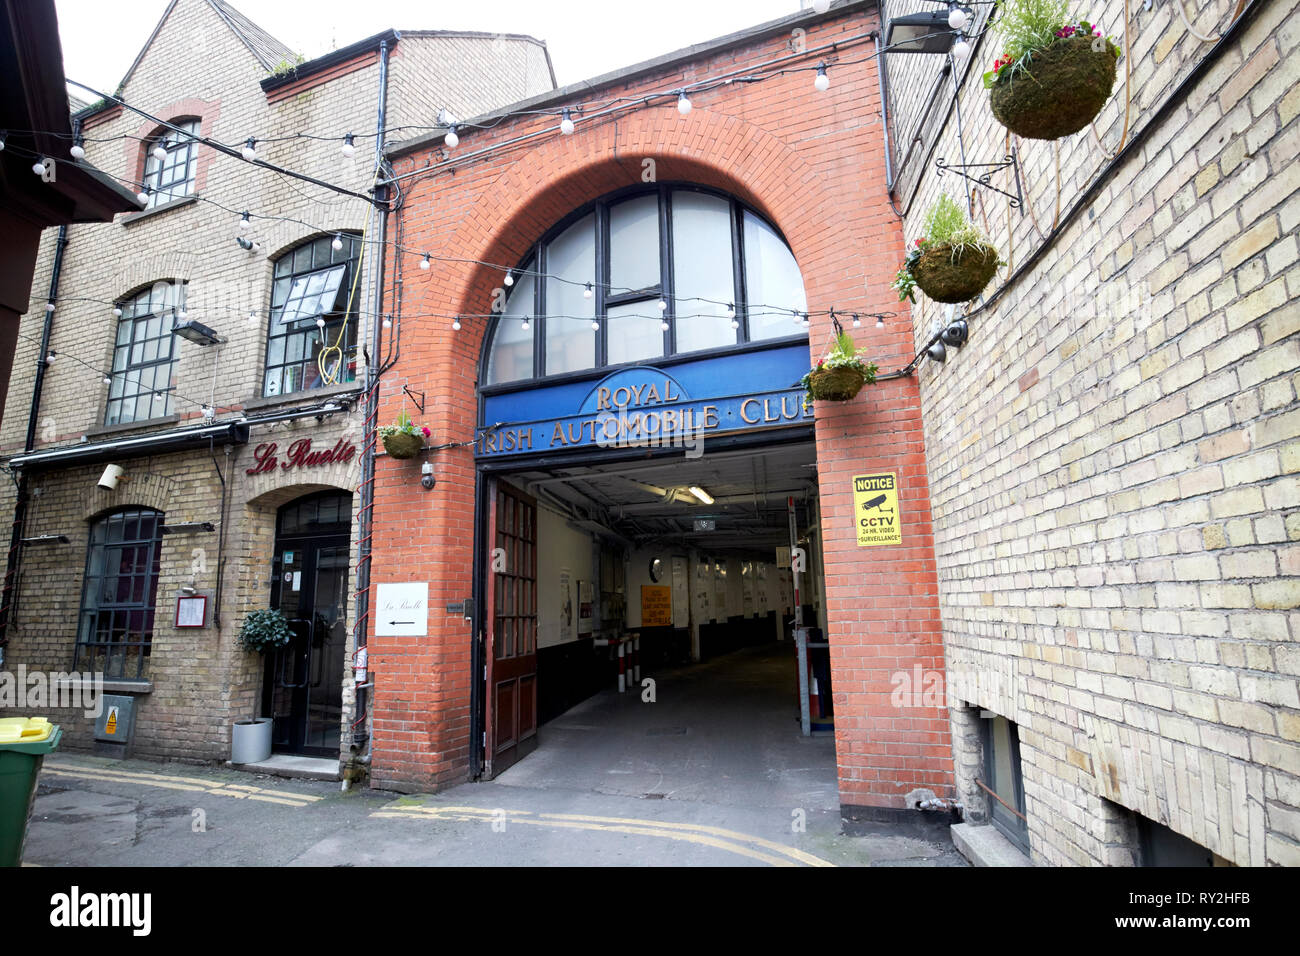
202 680
1114 455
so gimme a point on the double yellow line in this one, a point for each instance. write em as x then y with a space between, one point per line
732 841
173 782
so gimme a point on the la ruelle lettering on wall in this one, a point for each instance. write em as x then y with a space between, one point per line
300 454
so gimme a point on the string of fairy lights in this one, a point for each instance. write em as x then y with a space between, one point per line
569 119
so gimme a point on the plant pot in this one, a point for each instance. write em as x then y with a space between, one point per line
403 445
1060 91
250 740
836 384
948 277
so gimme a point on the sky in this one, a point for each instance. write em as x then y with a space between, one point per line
586 37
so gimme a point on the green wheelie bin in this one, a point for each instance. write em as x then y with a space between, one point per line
24 742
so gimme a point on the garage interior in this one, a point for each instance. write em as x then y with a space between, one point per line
690 555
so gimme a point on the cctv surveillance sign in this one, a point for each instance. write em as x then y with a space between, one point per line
875 509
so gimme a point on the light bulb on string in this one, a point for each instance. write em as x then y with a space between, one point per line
587 291
2 141
663 324
857 323
595 325
455 325
388 321
566 122
960 50
957 18
244 225
49 306
249 150
683 103
663 305
38 167
252 317
117 312
348 149
182 315
320 322
526 325
49 359
159 152
509 280
735 322
821 6
804 320
880 321
337 244
451 139
143 196
425 263
107 380
822 82
78 150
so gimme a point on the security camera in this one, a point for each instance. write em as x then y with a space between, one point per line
111 476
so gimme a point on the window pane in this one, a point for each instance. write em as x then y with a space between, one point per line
511 358
772 280
570 340
702 271
634 244
633 334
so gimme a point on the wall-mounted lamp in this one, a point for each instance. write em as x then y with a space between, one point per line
197 332
187 527
919 33
47 539
700 493
111 476
427 481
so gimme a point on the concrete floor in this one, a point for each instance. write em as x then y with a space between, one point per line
725 732
614 783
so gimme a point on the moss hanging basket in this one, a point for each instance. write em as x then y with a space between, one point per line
403 445
836 384
1061 89
946 276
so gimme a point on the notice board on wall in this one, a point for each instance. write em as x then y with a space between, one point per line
656 605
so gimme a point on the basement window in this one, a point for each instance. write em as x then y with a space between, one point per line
1002 783
1161 846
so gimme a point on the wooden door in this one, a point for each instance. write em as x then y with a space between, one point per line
512 635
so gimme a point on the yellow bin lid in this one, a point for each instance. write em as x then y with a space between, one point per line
24 730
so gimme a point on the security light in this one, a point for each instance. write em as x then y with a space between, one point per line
919 33
111 476
700 493
197 332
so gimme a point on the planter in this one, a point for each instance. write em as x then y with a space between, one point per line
836 384
250 740
403 445
1061 91
948 278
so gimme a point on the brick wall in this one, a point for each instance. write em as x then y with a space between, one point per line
1113 456
813 163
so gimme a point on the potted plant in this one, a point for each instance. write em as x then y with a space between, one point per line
403 439
952 262
840 375
1055 73
263 630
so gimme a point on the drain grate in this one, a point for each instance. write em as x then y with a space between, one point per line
666 732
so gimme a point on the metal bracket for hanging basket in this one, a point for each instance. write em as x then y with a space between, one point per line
1016 199
417 402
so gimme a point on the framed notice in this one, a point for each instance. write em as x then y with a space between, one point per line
656 605
192 611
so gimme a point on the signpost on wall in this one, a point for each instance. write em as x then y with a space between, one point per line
875 509
402 610
656 606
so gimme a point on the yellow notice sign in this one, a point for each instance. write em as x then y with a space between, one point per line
875 509
656 606
110 726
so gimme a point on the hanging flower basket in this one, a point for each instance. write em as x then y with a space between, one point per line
1057 90
403 445
404 439
836 384
948 275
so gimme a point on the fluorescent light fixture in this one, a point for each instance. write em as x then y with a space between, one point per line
700 493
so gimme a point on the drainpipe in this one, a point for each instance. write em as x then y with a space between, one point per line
365 523
14 560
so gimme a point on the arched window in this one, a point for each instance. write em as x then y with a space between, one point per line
144 355
115 629
314 281
641 276
171 176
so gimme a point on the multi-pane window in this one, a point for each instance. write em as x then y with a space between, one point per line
117 600
608 269
314 281
171 177
140 387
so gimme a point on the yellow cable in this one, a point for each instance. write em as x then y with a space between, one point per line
328 377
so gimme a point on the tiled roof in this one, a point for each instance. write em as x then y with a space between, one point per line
269 51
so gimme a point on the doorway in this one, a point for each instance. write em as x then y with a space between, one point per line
303 686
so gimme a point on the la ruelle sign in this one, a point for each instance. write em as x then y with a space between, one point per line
299 455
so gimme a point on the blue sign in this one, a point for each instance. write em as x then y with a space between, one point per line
648 407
